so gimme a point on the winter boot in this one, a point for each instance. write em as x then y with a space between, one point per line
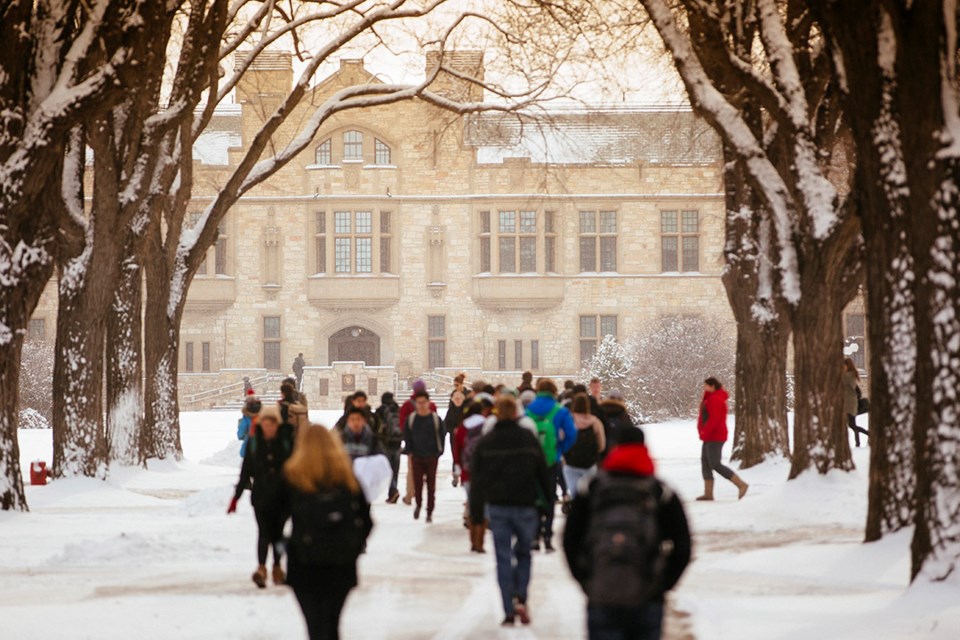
741 485
416 512
548 545
707 491
260 577
279 577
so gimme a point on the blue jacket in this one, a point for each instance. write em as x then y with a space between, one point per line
563 421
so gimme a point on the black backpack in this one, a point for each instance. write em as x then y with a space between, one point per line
623 558
328 527
585 450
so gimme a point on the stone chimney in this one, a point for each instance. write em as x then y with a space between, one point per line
468 62
268 79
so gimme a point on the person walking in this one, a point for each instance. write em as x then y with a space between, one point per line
299 396
465 440
406 409
391 439
298 364
614 416
292 411
269 448
526 382
627 542
557 433
423 436
712 427
358 438
248 420
508 474
450 423
331 523
591 440
851 398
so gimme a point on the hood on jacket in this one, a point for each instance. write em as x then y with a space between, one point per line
542 405
474 421
720 395
632 459
613 405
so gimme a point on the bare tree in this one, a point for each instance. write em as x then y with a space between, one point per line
62 63
897 67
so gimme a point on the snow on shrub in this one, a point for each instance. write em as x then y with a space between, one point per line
35 404
661 369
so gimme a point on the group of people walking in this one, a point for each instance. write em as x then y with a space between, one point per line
516 452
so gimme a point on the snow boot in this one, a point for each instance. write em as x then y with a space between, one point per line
279 577
741 485
260 577
707 491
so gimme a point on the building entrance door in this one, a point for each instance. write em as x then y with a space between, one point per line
355 344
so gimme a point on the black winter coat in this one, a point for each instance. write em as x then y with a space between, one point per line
358 446
507 468
263 463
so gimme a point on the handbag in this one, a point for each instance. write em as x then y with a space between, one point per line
863 406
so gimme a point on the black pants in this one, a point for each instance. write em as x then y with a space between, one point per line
852 423
269 533
321 611
394 458
546 514
564 490
711 460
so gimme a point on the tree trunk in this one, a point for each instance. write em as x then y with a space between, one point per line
125 363
79 440
936 540
161 433
11 478
820 438
761 408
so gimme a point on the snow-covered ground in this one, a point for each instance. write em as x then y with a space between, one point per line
151 554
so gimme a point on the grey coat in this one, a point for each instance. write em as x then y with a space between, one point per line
850 393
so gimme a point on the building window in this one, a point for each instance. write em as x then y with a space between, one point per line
485 242
550 241
518 354
534 354
205 356
353 241
437 341
220 251
324 155
324 388
271 342
598 241
381 153
352 146
501 355
320 241
680 241
386 242
517 241
37 329
594 329
855 343
188 357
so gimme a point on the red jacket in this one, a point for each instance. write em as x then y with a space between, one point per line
712 423
407 409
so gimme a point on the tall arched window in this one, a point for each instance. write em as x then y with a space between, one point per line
352 145
381 153
324 155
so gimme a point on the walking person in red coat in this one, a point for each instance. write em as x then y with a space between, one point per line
712 425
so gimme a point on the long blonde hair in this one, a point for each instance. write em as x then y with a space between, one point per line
319 462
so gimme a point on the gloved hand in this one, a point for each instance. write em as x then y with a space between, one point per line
233 506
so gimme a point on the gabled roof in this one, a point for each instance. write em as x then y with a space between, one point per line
587 135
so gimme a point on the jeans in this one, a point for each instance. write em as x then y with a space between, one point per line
573 475
546 515
425 467
633 623
513 529
710 461
394 458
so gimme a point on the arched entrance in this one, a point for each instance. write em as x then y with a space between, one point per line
355 344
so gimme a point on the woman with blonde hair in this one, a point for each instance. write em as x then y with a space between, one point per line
331 522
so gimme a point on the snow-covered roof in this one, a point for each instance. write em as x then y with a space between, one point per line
607 136
223 133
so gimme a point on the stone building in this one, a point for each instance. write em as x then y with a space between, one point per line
408 239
